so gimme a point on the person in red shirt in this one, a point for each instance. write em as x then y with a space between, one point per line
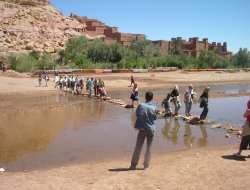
134 94
245 140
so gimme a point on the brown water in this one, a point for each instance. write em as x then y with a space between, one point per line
89 130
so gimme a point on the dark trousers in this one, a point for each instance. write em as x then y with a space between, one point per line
204 112
142 134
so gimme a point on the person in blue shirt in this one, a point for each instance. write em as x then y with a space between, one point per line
145 115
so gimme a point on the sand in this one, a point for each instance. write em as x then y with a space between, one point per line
201 168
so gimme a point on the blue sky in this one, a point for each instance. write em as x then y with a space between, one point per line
218 20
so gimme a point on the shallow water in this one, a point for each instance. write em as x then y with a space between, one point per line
92 130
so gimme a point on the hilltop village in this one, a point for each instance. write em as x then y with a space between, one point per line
35 25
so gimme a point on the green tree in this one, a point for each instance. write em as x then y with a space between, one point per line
208 58
12 61
73 47
35 55
175 47
26 63
81 61
144 48
61 57
45 62
98 52
116 53
242 58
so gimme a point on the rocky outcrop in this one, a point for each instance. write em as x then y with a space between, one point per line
28 2
35 25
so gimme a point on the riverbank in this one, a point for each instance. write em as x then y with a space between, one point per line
201 168
23 83
190 169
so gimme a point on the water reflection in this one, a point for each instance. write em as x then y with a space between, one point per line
171 133
188 137
202 141
173 128
166 129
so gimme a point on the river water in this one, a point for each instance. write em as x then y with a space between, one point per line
89 129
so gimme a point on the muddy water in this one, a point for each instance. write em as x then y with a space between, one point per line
91 130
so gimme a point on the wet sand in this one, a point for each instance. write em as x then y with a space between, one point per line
204 168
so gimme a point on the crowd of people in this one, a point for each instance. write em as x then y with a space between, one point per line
75 84
174 98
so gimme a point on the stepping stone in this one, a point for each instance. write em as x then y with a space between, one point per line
129 106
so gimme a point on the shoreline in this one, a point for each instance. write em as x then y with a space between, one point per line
201 168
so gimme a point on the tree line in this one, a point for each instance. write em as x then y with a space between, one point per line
83 54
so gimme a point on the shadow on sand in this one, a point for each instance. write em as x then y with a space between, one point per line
123 169
233 157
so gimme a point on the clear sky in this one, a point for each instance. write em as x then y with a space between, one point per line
218 20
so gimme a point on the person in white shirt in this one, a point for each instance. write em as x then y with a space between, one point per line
188 99
57 80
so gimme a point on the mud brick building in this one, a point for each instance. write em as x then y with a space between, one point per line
110 35
106 33
193 46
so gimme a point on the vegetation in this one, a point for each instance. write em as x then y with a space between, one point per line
82 54
242 58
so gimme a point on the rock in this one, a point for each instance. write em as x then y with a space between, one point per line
216 126
227 136
30 46
1 34
227 126
196 121
62 44
38 45
234 129
106 98
49 49
2 170
13 33
186 118
129 106
47 44
8 40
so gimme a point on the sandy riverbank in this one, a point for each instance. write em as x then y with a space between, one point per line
204 168
192 169
12 82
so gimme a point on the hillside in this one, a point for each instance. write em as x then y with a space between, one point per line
34 25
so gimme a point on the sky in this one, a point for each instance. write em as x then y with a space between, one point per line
218 20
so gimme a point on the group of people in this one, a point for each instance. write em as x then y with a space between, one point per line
146 113
73 82
174 97
94 87
42 76
189 96
97 85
